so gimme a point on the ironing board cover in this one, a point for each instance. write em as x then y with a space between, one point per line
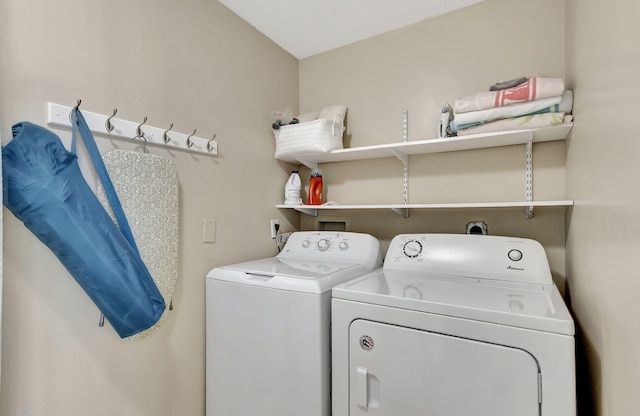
147 186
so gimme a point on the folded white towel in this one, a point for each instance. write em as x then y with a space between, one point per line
532 121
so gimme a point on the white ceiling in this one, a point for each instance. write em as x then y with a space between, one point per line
309 27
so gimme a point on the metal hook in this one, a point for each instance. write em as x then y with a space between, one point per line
209 147
165 137
78 101
139 132
107 124
189 142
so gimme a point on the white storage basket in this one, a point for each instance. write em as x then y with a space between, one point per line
317 136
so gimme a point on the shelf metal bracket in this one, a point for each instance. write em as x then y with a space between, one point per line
529 174
311 165
404 158
401 211
309 211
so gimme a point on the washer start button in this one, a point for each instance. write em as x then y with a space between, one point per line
515 255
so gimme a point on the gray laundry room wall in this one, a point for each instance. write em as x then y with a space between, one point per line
192 63
592 246
603 232
420 68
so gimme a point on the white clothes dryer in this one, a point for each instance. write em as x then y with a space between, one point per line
454 325
268 325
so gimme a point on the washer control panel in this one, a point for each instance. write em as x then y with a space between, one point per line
322 242
334 246
486 257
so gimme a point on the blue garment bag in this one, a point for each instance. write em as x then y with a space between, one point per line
44 188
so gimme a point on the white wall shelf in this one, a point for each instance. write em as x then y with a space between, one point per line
402 209
451 144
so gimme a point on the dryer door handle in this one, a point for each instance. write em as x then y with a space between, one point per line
362 387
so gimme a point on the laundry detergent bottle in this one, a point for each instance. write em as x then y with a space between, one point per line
315 189
292 189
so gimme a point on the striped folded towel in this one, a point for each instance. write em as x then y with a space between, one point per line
533 89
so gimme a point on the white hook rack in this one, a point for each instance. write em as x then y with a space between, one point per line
58 115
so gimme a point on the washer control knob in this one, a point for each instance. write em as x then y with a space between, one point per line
323 244
515 255
343 245
306 243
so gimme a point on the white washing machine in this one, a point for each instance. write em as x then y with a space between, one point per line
268 325
454 325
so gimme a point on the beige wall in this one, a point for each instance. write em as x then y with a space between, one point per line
420 68
603 174
192 63
497 39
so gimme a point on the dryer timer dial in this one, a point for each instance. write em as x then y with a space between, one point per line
412 248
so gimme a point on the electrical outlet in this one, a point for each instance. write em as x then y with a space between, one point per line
275 225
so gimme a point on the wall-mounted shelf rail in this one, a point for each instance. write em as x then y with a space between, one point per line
58 115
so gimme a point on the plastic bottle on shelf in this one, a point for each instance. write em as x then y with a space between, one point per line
315 189
292 189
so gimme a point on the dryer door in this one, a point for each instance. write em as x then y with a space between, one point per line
401 371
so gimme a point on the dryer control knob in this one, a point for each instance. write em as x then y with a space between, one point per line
412 248
343 245
515 255
306 243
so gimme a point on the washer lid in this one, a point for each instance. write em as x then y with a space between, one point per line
524 305
289 267
298 275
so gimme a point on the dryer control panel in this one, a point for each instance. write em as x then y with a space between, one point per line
485 257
